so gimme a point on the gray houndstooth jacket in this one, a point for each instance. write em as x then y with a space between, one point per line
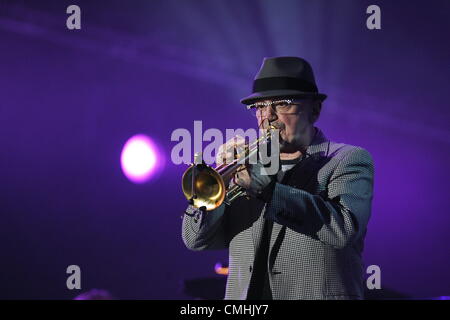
319 211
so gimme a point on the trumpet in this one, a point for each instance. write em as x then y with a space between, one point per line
204 186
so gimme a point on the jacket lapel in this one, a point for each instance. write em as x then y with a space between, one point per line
257 227
299 177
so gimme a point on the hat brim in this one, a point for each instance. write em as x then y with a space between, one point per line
280 94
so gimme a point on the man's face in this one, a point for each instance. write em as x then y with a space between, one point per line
293 120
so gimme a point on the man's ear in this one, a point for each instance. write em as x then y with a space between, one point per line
315 110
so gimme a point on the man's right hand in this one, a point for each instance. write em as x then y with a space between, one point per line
227 154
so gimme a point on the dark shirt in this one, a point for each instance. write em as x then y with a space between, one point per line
259 288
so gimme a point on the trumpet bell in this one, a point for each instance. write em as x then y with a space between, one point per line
209 188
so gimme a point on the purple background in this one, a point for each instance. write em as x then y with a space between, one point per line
70 99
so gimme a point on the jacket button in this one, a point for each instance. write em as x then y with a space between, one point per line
250 269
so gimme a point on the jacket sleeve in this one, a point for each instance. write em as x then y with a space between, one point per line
338 216
204 230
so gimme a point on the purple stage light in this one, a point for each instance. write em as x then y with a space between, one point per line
140 159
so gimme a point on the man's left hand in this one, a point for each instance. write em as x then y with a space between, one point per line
254 179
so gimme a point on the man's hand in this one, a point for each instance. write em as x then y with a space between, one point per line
254 180
227 153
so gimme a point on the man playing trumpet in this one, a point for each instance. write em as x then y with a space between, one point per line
300 233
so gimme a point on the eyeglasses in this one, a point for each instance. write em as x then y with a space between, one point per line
278 106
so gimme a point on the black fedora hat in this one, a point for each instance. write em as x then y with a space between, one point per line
284 77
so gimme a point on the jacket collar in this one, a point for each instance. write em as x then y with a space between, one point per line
319 146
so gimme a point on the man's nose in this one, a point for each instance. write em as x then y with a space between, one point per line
271 114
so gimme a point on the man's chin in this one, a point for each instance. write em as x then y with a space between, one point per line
287 147
284 146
